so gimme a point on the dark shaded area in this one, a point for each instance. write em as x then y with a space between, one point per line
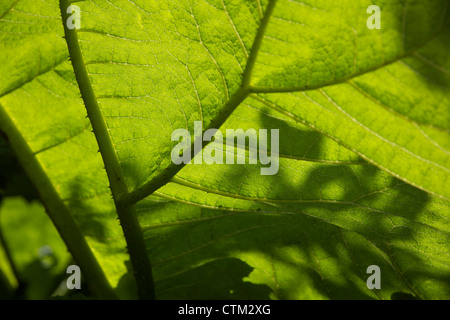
84 214
302 233
13 181
36 279
218 280
402 296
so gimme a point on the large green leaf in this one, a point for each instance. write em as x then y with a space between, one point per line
401 109
370 100
353 215
158 67
294 255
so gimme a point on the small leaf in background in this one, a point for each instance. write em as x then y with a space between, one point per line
39 255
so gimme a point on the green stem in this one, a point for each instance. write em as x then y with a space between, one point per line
236 99
159 181
246 78
57 211
6 289
8 255
127 214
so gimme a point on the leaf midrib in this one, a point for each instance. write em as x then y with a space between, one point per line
227 109
247 89
141 266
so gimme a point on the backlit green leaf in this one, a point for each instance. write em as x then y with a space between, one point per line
363 116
